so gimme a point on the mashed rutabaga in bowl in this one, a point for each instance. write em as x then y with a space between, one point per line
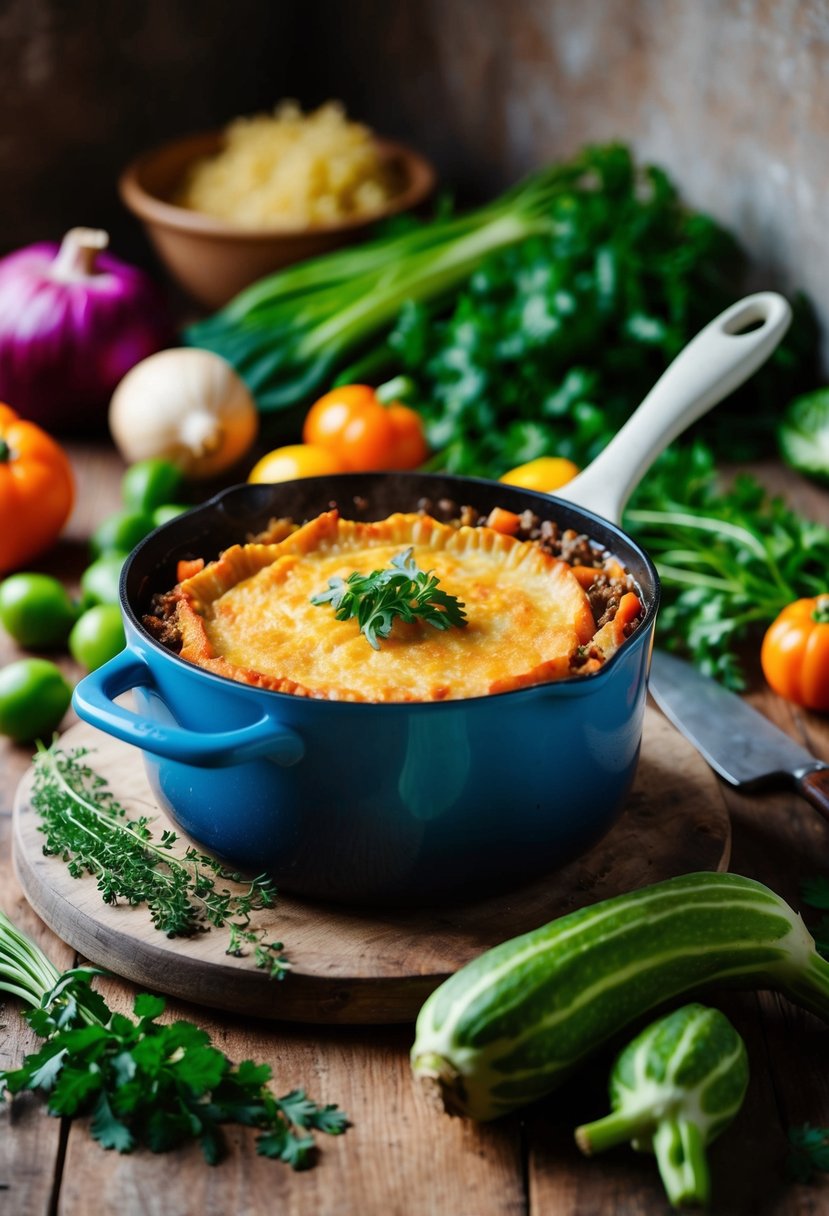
291 170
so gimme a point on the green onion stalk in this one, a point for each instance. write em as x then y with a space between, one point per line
28 974
287 334
25 971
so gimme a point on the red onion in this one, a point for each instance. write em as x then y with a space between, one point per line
73 321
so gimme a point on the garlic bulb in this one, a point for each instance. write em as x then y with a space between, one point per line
185 405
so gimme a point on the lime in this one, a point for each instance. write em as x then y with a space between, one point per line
34 696
121 532
150 483
97 636
36 610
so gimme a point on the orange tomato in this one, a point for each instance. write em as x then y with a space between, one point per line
37 490
364 433
296 460
795 653
409 447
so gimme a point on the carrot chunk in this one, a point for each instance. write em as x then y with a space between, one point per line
503 521
629 609
186 569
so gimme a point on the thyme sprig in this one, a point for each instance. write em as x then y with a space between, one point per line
85 825
400 592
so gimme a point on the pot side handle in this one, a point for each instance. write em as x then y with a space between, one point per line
722 355
94 701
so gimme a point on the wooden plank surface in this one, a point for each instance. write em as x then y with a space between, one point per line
400 1157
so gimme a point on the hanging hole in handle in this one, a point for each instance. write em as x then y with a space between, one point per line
745 322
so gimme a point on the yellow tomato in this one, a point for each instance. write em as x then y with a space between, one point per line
546 473
296 460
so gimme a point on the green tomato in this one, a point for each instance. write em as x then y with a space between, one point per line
100 581
36 610
150 483
121 532
168 511
34 696
97 636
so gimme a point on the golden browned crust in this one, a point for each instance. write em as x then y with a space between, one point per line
248 615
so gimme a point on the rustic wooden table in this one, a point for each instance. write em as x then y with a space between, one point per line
400 1157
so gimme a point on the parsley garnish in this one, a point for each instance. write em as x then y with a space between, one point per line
401 591
90 831
144 1083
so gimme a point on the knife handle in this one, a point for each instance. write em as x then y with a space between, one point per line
814 786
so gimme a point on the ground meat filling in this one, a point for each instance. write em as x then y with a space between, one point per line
572 547
604 593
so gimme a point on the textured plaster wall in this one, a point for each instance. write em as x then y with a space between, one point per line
731 96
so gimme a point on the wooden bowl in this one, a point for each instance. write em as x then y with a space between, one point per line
214 260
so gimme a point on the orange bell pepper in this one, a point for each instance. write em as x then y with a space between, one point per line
37 490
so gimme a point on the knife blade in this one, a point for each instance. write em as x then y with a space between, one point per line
740 744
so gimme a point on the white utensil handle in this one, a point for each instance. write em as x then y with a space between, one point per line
712 365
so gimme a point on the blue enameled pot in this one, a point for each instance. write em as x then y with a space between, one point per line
361 802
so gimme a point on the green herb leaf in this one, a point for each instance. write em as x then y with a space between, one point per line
74 1087
803 435
302 1110
400 592
809 1152
201 1069
42 1071
147 1006
109 1131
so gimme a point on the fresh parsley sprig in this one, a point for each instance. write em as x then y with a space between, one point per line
91 832
730 558
144 1082
400 592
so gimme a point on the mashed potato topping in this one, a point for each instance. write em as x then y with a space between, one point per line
291 170
251 616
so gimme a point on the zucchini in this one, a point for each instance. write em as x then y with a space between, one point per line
673 1090
512 1024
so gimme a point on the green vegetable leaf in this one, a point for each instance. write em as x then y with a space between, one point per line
40 1071
809 1152
285 1146
803 435
73 1087
109 1131
815 892
147 1006
248 1075
400 592
303 1112
200 1068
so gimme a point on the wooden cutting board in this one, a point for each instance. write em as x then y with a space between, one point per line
368 966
